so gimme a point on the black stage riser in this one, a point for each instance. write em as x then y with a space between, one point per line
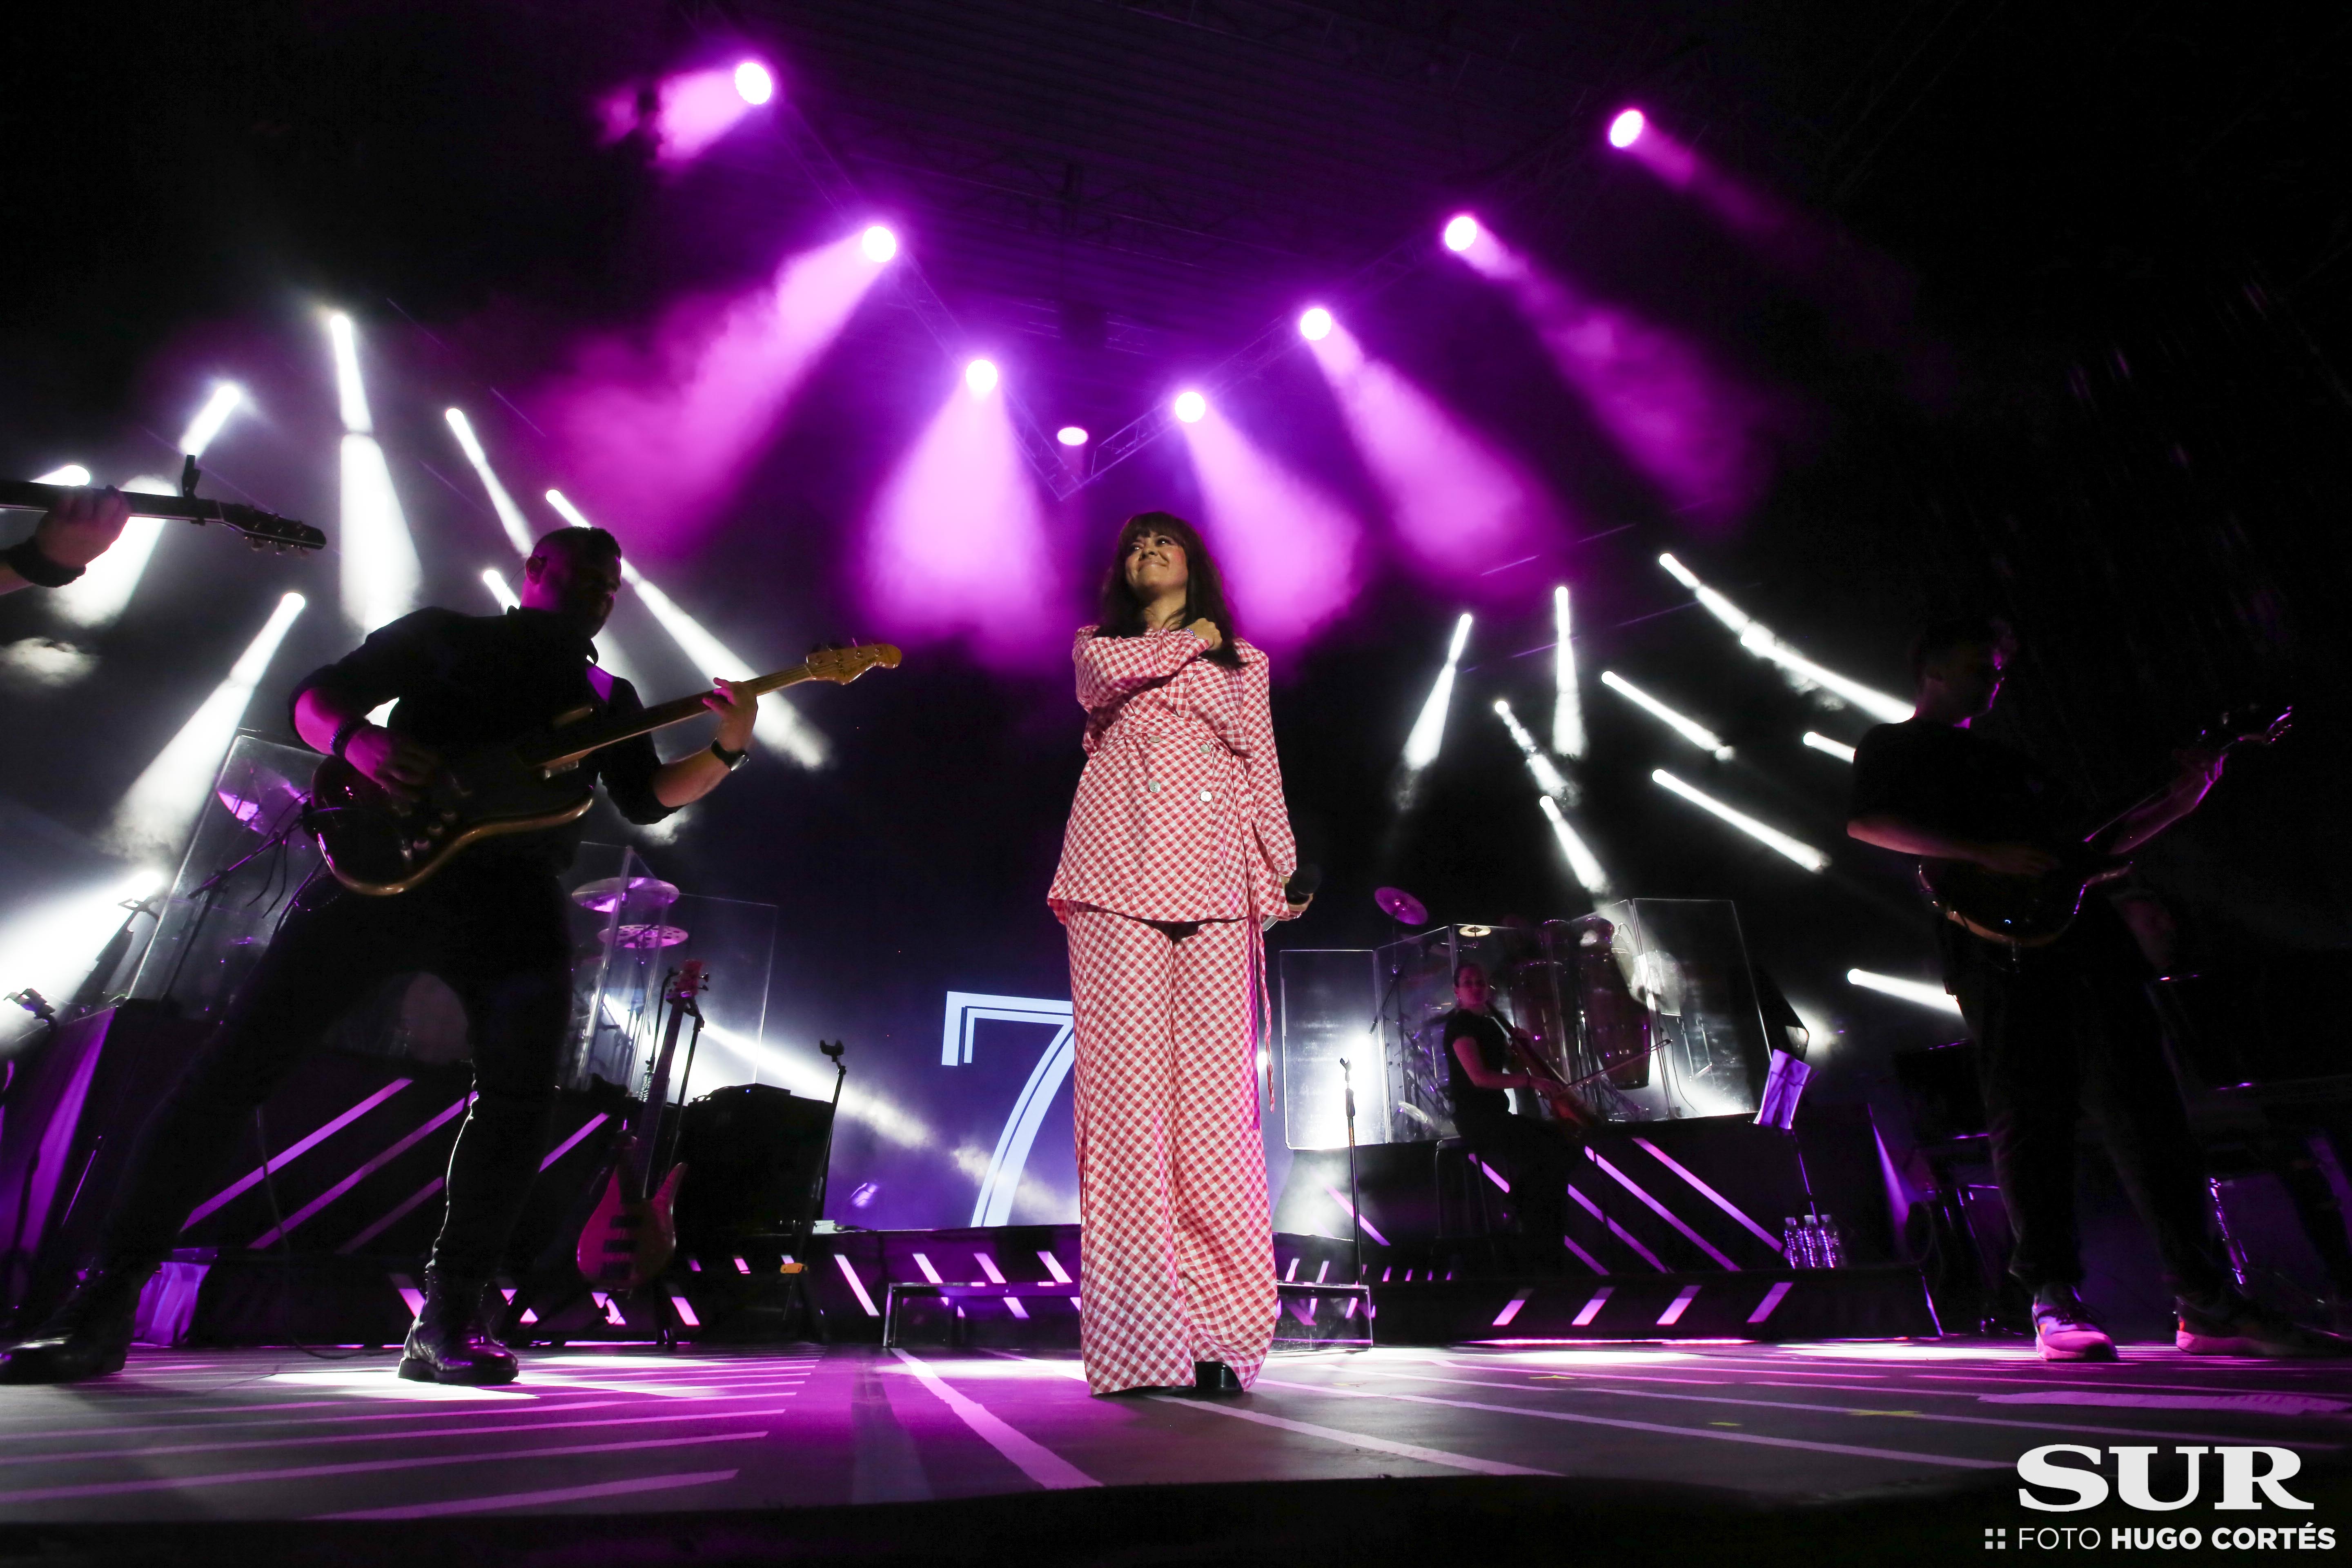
236 1297
1875 1302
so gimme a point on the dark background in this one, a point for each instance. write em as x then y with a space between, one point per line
2074 356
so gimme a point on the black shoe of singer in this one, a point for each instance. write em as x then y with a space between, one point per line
87 1336
1214 1377
449 1342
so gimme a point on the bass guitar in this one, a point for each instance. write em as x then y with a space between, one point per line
262 530
2035 911
632 1236
379 843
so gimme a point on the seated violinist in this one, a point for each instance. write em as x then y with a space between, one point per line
1483 1074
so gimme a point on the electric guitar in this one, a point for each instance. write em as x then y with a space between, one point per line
378 842
262 530
632 1236
2035 911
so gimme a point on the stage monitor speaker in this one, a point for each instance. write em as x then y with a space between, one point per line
752 1154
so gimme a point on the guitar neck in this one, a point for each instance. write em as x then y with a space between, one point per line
267 528
578 741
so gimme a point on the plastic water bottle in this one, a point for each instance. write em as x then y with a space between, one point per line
1796 1244
1831 1243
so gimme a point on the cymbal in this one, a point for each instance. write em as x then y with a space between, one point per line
605 894
1399 905
256 795
648 936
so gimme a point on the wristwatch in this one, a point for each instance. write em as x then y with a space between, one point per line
733 759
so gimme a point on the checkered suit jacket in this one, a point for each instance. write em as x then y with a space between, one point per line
1179 814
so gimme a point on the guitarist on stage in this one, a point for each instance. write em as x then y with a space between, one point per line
493 925
2060 1025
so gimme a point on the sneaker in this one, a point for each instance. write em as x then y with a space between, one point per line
2064 1329
2251 1328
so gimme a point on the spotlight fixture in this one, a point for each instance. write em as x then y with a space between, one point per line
1461 232
753 82
1072 435
1315 324
878 244
1925 996
980 377
1626 129
1191 406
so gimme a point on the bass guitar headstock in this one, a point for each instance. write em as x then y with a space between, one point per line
266 530
692 979
842 664
2256 726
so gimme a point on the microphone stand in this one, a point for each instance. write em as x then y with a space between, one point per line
797 1299
1355 1200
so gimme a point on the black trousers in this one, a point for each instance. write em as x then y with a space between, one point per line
2060 1031
1536 1161
496 930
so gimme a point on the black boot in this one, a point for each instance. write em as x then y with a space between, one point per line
449 1342
86 1337
1214 1377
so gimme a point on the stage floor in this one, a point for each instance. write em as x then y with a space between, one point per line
274 1435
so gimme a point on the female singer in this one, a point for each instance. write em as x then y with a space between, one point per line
1177 852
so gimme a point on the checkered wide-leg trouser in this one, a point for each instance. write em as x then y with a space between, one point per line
1176 1249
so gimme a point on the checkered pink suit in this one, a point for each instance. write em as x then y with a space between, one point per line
1178 847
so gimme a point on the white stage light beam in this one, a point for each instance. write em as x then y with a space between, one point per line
1796 849
1583 864
510 516
1428 734
1758 639
1917 991
1690 730
380 574
155 813
71 474
1541 767
777 725
1567 703
99 595
1837 749
51 946
500 591
225 399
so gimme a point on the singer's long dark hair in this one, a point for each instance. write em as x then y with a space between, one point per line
1204 586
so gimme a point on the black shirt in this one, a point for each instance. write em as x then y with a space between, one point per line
1494 1054
462 681
1956 783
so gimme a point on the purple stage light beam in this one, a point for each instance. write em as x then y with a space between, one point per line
695 109
1462 506
656 438
1702 438
957 520
1290 552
